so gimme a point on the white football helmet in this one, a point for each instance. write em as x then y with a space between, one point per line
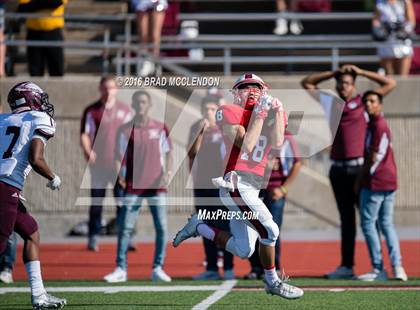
247 79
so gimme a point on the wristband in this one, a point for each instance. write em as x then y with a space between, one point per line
284 189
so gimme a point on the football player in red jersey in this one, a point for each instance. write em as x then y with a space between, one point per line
248 135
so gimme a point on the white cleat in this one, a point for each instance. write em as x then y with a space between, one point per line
158 274
374 275
118 275
6 276
47 301
282 289
341 272
399 273
188 231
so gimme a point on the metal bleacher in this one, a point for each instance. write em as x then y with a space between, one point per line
228 41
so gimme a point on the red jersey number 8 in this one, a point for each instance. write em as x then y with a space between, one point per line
219 115
259 149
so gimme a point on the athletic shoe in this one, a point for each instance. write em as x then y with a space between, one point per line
159 275
207 275
228 274
6 276
188 231
296 27
281 27
147 68
132 247
399 273
118 275
93 244
47 301
374 275
282 289
341 272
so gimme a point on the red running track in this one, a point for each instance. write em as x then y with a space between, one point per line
299 258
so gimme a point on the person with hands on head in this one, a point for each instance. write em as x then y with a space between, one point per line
347 149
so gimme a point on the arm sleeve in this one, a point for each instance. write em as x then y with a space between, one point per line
88 125
44 127
295 149
166 143
228 115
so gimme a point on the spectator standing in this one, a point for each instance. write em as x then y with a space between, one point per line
206 155
282 168
150 18
144 152
282 28
347 149
378 182
98 132
48 28
393 23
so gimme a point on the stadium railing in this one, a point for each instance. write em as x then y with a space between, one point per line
125 46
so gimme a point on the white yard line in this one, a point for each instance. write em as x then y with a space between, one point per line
117 289
221 291
338 288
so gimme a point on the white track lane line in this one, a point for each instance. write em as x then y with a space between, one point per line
116 289
220 292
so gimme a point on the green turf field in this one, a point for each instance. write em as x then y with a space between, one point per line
244 295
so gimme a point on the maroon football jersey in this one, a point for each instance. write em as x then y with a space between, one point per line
383 173
253 162
349 139
143 149
285 156
208 163
102 125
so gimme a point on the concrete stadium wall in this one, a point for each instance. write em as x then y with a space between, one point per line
311 206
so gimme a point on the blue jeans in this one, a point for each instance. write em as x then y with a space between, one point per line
379 206
276 208
8 257
126 220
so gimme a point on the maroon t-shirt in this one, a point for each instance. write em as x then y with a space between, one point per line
143 149
285 156
102 125
208 163
383 173
351 132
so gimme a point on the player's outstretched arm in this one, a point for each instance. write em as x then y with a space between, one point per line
38 163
